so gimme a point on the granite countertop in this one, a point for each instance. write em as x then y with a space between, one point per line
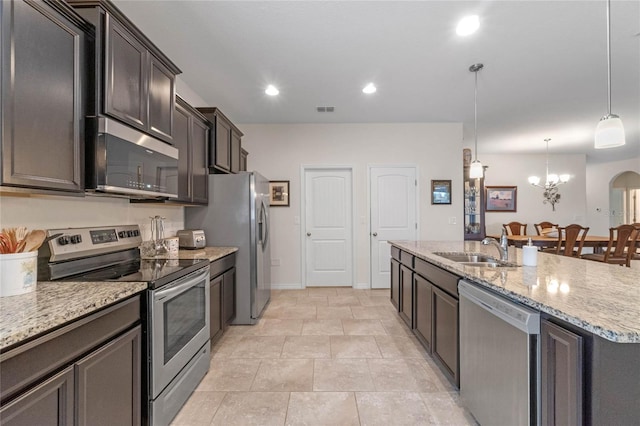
54 304
600 298
210 253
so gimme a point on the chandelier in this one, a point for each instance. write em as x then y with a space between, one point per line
550 187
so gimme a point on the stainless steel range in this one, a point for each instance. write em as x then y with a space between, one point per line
176 343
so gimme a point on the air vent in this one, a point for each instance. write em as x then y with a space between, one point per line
325 109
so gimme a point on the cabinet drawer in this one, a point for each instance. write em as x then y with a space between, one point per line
395 253
443 279
220 265
406 259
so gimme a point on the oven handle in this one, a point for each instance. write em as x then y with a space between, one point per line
182 284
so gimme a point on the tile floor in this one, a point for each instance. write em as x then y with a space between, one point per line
323 356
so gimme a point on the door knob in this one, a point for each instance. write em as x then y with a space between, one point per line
308 234
375 234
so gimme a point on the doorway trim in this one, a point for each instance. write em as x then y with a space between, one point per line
418 222
303 218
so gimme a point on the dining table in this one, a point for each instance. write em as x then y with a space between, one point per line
597 242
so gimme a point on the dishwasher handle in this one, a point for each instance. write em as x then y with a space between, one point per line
522 318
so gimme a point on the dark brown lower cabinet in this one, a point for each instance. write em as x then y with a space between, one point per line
423 310
561 375
87 373
228 297
445 343
223 295
49 403
406 295
215 310
395 283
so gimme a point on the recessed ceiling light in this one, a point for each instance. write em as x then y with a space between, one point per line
468 25
369 89
271 90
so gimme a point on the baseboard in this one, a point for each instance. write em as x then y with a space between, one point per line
290 286
362 286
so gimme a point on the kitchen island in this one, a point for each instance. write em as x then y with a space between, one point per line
595 305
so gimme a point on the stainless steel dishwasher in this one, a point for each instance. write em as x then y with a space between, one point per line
499 358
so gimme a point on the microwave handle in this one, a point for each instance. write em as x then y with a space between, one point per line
181 285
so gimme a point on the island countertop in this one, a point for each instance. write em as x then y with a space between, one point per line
56 303
600 298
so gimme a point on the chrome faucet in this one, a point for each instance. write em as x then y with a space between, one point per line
502 246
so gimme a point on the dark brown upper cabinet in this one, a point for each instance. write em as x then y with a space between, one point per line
225 150
192 139
135 80
44 80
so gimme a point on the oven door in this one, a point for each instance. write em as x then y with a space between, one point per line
179 316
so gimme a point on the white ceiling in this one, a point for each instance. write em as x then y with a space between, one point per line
545 73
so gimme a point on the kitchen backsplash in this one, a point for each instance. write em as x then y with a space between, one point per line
62 212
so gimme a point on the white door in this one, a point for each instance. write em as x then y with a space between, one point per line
393 213
328 227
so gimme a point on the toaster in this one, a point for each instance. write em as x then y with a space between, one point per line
191 239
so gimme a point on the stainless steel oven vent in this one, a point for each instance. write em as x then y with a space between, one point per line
325 109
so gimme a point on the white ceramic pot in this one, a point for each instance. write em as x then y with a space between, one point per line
18 273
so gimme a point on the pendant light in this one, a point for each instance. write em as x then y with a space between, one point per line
475 170
551 184
610 131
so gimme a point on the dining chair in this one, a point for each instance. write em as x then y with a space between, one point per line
543 226
515 228
616 253
633 246
571 240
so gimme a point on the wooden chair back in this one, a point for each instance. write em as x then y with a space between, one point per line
544 225
632 251
571 240
515 228
619 238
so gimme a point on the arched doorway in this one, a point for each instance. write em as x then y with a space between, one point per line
624 199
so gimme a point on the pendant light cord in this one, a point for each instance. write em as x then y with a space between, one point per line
609 54
475 112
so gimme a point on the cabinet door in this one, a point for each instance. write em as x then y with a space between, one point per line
215 310
222 144
161 100
406 295
235 152
243 160
199 169
229 296
108 383
49 403
43 106
126 76
395 283
445 332
561 375
423 313
181 142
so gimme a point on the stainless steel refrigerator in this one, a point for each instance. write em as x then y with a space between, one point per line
238 216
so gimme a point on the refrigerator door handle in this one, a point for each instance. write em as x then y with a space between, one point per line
266 226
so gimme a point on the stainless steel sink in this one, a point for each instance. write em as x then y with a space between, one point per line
475 259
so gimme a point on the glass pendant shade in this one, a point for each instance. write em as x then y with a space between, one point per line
609 132
534 180
475 170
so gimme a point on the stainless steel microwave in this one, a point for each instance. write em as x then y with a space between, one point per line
123 160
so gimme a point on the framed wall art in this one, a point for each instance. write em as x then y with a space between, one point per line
440 192
501 198
279 193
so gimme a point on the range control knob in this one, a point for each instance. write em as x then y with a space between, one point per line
129 233
64 240
75 239
122 234
136 233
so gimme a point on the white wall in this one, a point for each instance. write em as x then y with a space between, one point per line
599 177
278 151
48 212
514 170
